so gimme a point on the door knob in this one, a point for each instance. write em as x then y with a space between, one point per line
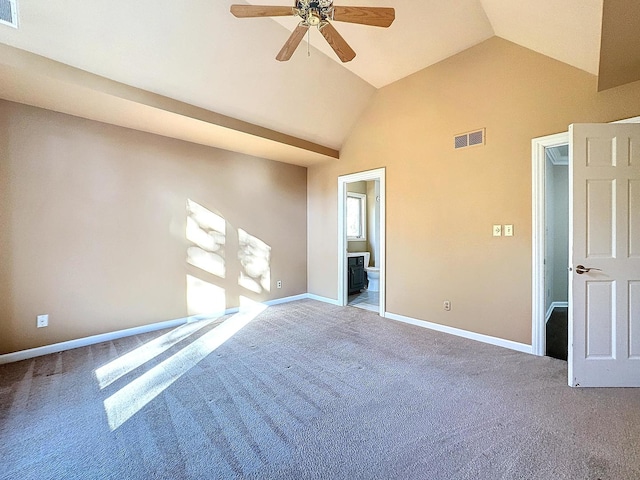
580 269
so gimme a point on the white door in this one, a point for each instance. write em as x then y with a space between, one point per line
604 316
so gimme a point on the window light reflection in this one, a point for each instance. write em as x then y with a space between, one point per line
127 363
130 399
255 258
204 298
207 231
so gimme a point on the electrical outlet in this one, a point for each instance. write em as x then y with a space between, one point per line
42 321
497 230
279 284
447 305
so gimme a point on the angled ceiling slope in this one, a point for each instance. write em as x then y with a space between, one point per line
620 49
567 30
429 31
202 57
72 91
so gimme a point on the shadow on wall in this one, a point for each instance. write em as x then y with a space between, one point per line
220 279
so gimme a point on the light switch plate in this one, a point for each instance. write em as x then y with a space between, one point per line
508 230
497 230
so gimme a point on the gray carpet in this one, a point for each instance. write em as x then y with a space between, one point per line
309 390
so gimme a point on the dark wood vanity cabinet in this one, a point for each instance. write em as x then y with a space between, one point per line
356 274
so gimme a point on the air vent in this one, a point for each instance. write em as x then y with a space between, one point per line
462 141
9 13
469 139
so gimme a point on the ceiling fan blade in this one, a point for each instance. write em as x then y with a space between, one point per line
342 48
375 16
293 42
245 11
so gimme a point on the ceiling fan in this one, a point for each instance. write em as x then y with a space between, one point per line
319 13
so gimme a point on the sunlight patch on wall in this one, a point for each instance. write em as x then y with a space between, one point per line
134 396
255 258
207 231
204 298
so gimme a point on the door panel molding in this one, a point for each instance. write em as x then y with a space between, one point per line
601 310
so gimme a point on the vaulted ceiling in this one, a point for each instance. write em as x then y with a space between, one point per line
193 63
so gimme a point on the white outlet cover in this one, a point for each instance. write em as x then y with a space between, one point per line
497 230
508 230
42 321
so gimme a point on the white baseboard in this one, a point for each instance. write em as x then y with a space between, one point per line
500 342
92 340
293 298
552 306
106 337
332 301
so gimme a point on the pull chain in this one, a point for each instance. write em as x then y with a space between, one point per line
308 42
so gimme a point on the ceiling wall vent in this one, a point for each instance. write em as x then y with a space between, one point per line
469 139
9 13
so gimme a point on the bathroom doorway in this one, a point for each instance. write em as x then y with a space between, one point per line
363 245
361 240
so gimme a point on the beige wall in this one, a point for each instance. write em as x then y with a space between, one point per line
442 203
93 221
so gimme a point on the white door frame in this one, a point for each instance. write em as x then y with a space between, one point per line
539 167
377 174
538 163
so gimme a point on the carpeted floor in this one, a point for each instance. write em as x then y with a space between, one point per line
309 390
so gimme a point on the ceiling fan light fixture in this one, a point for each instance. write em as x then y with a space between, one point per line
313 19
320 14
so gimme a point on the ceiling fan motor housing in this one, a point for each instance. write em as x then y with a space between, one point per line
314 12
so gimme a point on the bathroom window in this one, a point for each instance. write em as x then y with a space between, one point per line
356 216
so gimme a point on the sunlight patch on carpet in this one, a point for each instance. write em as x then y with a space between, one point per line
130 399
121 366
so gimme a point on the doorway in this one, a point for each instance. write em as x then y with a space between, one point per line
363 239
556 259
363 244
540 148
544 150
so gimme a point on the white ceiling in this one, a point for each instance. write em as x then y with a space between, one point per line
196 52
